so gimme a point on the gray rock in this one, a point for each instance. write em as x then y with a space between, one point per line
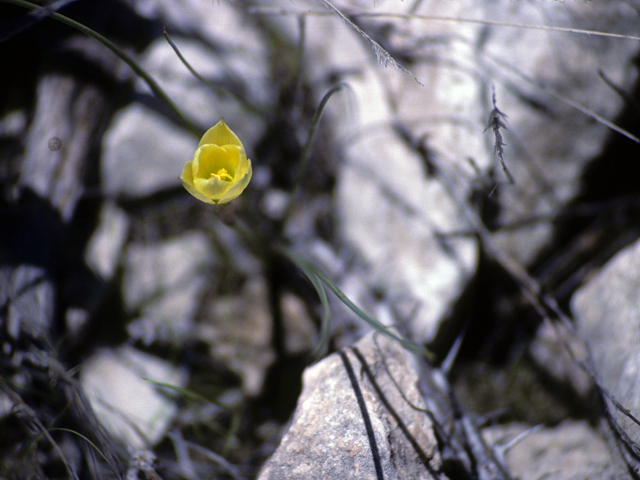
238 49
65 123
238 329
106 244
203 103
195 98
118 383
570 451
549 147
143 153
328 437
164 282
607 315
99 55
27 299
548 351
347 327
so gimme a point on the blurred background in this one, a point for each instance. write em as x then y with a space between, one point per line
146 333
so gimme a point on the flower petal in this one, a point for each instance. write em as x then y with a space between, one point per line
187 182
209 159
243 161
237 157
213 188
238 187
187 173
220 134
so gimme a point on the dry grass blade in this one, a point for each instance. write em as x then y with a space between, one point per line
231 469
595 116
23 410
383 57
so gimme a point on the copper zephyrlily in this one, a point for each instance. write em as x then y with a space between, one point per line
220 169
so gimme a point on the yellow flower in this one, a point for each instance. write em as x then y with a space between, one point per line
220 169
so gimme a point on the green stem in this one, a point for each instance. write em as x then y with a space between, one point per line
302 163
312 271
115 49
371 321
216 87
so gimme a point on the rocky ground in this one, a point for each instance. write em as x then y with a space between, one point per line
440 282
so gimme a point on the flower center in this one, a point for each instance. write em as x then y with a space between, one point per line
222 174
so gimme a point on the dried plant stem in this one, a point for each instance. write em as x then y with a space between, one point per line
594 115
496 122
410 16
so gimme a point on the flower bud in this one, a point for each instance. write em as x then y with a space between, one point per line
220 169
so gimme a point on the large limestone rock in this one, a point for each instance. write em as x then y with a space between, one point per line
607 313
328 437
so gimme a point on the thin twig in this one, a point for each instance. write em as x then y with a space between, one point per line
593 115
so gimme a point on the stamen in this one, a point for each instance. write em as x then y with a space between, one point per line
222 174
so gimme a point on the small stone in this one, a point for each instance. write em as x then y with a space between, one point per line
118 383
570 451
239 330
14 123
28 296
75 320
300 331
105 246
274 202
607 315
55 170
549 351
164 282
